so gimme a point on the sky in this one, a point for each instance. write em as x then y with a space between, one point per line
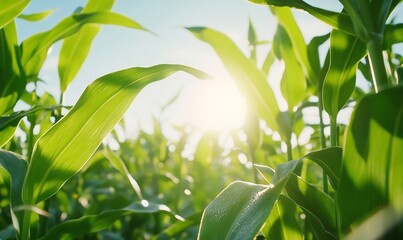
214 104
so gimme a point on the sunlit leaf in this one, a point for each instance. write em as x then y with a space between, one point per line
75 48
337 20
293 83
36 16
269 60
282 222
179 227
95 223
12 82
35 48
345 53
9 9
372 167
66 147
250 80
16 167
229 217
119 165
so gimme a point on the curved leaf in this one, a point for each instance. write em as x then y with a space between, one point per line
9 9
339 21
35 48
329 159
372 161
94 223
241 209
36 16
345 53
62 151
250 80
179 227
393 34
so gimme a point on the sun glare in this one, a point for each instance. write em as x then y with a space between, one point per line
218 105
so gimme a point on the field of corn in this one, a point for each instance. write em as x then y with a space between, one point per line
284 175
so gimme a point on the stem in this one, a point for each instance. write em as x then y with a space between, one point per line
322 140
334 135
255 174
26 224
30 139
289 150
43 220
378 71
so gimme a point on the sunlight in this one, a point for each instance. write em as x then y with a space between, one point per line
218 105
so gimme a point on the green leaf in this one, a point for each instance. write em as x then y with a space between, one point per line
16 167
249 79
293 84
36 16
372 160
95 223
13 81
393 34
36 47
119 165
286 19
8 124
241 209
282 222
65 148
337 20
345 53
329 159
266 172
269 60
314 57
75 48
9 9
314 201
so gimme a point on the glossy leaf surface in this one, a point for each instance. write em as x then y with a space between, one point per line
372 166
66 147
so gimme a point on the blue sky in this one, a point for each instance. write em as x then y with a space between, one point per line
117 48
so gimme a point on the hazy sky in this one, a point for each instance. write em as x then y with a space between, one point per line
117 48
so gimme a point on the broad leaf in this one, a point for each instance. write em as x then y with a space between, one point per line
36 16
337 20
12 78
36 47
250 80
345 53
293 84
393 34
16 167
282 222
241 209
9 9
65 148
95 223
372 161
330 160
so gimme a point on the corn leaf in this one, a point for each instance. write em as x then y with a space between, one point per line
345 53
339 21
9 9
16 167
268 61
95 223
229 217
250 80
75 48
372 161
393 34
36 16
12 82
65 148
282 222
329 159
178 227
36 47
293 84
313 200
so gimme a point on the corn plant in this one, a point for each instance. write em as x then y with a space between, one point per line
360 186
64 144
